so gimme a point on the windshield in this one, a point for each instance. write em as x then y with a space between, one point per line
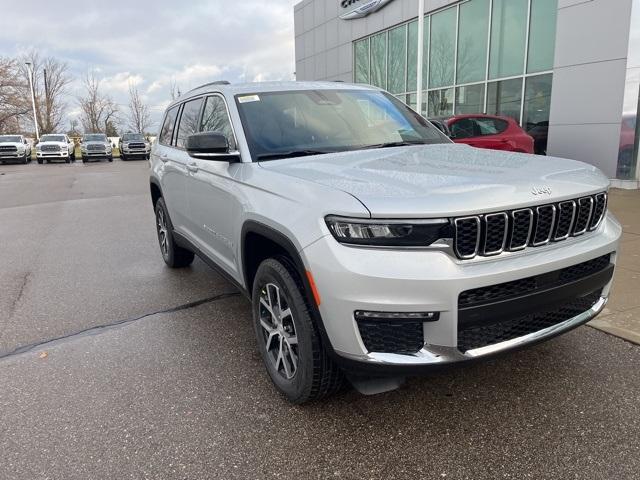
290 123
52 138
10 138
98 137
127 137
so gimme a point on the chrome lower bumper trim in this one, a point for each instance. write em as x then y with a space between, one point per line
437 355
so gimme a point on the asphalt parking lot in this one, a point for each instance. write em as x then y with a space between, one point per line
113 366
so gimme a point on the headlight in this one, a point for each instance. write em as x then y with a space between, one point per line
389 233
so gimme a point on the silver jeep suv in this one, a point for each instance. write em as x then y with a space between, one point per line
368 243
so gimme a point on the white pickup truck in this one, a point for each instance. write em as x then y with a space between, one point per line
55 147
14 148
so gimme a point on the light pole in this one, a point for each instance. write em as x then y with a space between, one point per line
33 98
420 55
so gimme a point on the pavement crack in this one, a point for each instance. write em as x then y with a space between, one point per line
99 329
23 284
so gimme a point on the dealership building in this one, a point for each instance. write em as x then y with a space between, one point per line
567 70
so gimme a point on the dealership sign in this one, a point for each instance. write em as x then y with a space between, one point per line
360 8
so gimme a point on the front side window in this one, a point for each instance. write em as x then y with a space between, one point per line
188 121
463 128
216 119
280 124
166 133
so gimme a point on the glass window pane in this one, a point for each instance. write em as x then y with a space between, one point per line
537 103
397 59
470 99
412 57
362 61
443 41
441 102
542 35
189 121
379 60
472 41
167 127
504 98
508 38
216 119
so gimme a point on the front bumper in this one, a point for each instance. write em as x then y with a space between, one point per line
351 279
53 155
96 154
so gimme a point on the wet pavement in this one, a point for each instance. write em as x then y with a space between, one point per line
113 366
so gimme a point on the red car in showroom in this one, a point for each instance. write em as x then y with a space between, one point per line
486 131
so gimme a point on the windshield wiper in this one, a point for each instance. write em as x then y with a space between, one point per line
394 144
291 154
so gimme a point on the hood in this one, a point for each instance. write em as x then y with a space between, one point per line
445 179
52 143
13 144
96 142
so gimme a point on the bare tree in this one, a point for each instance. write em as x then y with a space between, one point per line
50 81
97 110
174 89
139 115
15 98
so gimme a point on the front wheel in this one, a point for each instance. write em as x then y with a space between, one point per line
110 158
288 339
173 255
25 159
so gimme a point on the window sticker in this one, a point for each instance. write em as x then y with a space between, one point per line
249 98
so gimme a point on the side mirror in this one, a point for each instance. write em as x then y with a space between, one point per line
211 146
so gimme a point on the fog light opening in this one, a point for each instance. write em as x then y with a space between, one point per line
409 316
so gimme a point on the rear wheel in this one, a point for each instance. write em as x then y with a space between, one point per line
288 339
173 255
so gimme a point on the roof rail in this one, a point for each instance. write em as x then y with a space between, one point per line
217 82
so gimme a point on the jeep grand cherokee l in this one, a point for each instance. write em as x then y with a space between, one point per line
368 242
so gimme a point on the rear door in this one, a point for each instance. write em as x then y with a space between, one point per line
214 198
491 133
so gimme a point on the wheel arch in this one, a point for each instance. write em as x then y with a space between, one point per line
156 191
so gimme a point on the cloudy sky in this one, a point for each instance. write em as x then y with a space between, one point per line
154 42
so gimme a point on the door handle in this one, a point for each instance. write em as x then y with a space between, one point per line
164 158
192 167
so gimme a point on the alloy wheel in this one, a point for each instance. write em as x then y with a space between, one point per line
278 331
162 232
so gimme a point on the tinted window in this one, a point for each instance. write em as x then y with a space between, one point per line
463 128
490 126
167 127
215 119
188 121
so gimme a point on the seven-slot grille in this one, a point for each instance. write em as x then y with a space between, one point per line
514 230
95 147
8 148
50 148
136 146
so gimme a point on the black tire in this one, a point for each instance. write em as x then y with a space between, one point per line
123 157
173 255
110 158
25 159
316 375
67 160
84 159
39 160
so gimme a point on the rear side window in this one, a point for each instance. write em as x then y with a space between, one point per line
463 128
216 119
490 126
188 121
167 127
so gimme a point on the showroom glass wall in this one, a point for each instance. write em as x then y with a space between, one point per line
493 56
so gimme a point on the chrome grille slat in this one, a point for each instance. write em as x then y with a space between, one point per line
565 220
521 220
544 225
514 230
493 222
467 236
